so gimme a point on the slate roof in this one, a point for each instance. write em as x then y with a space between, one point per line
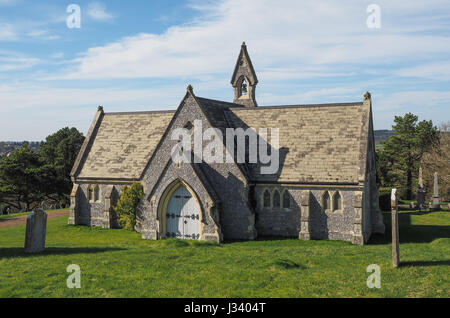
318 143
123 143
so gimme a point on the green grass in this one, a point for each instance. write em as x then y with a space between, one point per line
118 263
13 215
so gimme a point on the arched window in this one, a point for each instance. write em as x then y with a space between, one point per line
286 199
244 87
276 199
96 193
326 201
90 193
337 201
266 199
189 127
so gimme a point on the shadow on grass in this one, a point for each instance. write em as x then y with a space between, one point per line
410 233
10 252
424 263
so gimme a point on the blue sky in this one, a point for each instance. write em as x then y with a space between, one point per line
140 55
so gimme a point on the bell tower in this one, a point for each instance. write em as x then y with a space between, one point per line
244 80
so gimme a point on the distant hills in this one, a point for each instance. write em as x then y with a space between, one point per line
7 147
382 135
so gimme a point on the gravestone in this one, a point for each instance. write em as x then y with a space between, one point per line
420 192
395 235
36 231
420 178
436 205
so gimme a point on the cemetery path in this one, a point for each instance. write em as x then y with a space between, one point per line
23 219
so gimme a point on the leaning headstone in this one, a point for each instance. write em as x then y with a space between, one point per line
436 205
35 231
395 236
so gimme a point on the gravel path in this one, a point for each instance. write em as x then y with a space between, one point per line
22 219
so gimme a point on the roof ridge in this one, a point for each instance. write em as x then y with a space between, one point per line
141 112
303 105
220 101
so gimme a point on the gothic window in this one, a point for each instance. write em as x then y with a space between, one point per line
286 199
189 126
276 199
266 199
90 193
337 201
326 201
96 193
244 87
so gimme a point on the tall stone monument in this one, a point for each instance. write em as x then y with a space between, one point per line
436 205
36 231
420 177
420 191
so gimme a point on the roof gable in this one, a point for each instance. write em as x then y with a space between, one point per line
122 144
244 67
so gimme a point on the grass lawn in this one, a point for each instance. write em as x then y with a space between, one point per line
118 263
13 215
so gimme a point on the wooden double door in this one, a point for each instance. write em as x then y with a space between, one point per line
183 215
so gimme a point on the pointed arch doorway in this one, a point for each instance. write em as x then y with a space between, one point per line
182 215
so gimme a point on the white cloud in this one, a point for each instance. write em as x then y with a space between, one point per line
42 35
298 49
7 32
434 71
97 11
57 55
13 61
9 2
425 99
299 34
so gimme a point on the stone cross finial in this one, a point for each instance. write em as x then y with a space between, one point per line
367 96
190 89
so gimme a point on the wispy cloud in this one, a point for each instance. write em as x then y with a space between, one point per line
9 2
414 100
337 35
43 35
303 52
11 61
97 11
7 32
433 71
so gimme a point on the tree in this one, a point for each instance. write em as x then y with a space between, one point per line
438 160
57 155
402 152
127 204
19 178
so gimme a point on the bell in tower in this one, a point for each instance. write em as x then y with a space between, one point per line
244 80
